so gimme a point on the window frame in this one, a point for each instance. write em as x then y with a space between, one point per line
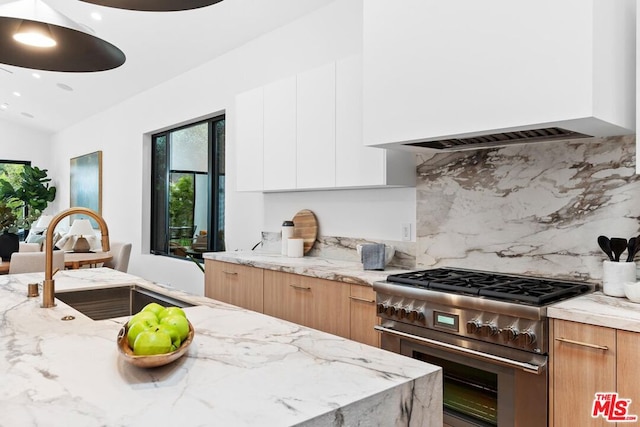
213 184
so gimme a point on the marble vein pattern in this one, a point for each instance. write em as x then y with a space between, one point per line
243 369
530 209
344 248
349 272
600 310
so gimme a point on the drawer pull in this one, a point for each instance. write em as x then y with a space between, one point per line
231 273
584 344
302 288
370 301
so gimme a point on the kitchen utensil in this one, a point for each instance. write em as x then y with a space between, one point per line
636 249
154 360
618 245
631 249
605 245
306 227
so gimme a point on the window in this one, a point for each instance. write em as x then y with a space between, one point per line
10 171
187 194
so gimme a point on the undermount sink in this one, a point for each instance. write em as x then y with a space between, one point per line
108 303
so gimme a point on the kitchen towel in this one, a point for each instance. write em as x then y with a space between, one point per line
373 256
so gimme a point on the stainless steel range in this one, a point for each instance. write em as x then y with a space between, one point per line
489 333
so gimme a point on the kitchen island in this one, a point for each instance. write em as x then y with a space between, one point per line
242 369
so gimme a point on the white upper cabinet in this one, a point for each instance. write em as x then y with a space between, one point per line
280 135
316 128
249 140
437 69
311 137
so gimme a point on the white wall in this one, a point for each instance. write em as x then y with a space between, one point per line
25 144
122 133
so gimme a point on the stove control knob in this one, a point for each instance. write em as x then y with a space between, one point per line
527 338
473 327
510 334
390 310
413 316
420 316
404 313
488 330
381 307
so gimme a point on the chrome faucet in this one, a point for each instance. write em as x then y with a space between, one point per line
48 286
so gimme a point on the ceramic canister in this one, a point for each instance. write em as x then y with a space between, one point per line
287 232
615 275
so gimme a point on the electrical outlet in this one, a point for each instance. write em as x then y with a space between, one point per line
406 232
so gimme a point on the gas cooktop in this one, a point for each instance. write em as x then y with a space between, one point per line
521 289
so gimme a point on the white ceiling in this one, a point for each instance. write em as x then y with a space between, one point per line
158 46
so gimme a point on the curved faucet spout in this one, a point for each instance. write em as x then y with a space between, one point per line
48 286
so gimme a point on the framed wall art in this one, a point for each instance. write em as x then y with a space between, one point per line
86 183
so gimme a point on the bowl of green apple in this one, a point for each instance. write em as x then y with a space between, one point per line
155 336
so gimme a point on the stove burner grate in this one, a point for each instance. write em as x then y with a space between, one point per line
528 290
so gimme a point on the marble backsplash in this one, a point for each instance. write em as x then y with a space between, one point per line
344 248
530 209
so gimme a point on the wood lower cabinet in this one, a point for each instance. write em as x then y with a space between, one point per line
234 284
363 315
585 360
317 303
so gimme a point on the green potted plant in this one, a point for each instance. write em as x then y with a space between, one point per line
32 195
9 242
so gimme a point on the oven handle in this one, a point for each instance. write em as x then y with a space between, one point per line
527 367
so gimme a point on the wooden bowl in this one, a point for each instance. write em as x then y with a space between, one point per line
153 360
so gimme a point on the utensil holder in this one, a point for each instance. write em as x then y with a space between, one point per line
615 275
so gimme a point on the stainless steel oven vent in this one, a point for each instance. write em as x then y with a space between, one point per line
500 139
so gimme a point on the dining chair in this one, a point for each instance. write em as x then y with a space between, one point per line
121 252
32 262
29 247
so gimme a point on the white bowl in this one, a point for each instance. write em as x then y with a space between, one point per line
632 291
389 252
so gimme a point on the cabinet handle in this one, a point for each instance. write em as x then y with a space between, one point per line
370 301
231 273
584 344
302 288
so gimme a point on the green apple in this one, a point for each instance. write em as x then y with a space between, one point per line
170 311
138 326
143 315
153 341
173 332
179 322
153 307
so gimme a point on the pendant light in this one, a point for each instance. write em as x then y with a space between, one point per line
34 35
154 5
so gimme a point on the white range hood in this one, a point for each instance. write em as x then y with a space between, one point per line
462 74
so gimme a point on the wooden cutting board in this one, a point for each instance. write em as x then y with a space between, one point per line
305 226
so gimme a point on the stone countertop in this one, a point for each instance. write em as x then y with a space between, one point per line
323 268
600 310
242 369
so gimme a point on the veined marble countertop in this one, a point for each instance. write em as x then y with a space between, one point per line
323 268
599 309
242 369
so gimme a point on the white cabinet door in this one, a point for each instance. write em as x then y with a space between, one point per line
316 128
280 135
356 165
249 140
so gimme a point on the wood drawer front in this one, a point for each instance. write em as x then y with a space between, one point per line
628 368
584 363
363 315
234 284
317 303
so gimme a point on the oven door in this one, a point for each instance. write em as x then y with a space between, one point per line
483 385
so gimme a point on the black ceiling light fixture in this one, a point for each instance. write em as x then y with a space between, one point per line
34 35
154 5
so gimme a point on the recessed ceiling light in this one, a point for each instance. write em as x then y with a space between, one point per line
65 87
96 16
35 75
27 115
4 106
16 94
